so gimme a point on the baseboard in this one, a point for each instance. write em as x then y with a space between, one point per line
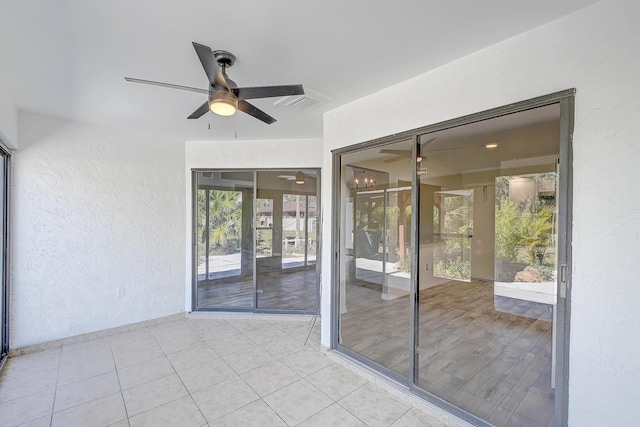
92 335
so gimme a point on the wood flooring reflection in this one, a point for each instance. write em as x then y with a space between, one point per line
294 289
493 364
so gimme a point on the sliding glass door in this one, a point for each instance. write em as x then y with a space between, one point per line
224 240
255 240
375 256
285 279
451 274
485 319
4 254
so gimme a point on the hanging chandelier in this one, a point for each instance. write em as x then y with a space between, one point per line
363 181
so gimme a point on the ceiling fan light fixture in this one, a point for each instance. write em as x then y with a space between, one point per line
300 178
223 103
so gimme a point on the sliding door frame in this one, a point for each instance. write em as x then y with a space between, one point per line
194 242
566 101
5 278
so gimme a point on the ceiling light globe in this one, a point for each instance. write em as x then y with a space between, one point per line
222 108
223 103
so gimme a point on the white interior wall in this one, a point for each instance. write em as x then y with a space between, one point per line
94 211
8 123
8 111
263 154
594 50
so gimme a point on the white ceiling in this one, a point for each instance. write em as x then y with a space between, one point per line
67 58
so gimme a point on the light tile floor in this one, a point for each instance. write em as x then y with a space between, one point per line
198 372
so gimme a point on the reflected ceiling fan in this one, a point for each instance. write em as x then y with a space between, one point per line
300 178
406 154
225 97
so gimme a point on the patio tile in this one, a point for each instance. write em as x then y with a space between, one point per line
270 377
374 406
153 394
336 381
105 411
182 412
255 414
223 398
87 390
297 402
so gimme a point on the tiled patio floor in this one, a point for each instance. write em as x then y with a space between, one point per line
199 372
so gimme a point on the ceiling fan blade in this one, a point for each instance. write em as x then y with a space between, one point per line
252 110
394 159
267 91
169 85
444 149
200 111
424 145
403 153
210 65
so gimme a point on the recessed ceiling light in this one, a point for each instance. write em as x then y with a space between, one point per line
491 145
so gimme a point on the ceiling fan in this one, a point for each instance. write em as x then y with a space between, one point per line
299 177
225 97
406 154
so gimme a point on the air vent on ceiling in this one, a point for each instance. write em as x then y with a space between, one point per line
309 100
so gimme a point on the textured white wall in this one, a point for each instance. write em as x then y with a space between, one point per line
264 154
94 210
595 50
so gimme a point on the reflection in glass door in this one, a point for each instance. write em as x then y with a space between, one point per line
299 227
472 321
255 240
375 256
454 216
485 326
285 279
224 240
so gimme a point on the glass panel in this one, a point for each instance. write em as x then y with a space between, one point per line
374 254
264 228
397 244
311 238
225 242
368 251
283 280
487 267
4 290
294 208
451 257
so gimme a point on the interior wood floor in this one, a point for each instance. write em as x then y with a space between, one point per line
493 364
294 289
